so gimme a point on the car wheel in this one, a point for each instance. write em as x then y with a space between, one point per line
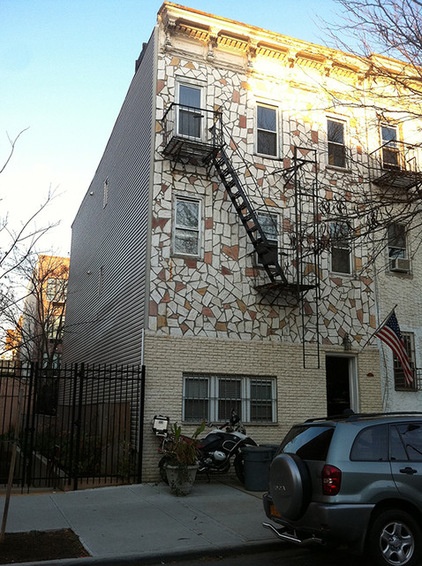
394 539
290 485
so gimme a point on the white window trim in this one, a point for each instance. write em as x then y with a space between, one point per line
200 226
342 120
201 88
350 248
277 132
276 218
245 385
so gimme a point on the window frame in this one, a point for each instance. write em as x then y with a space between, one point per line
245 406
187 111
399 380
396 251
56 290
198 230
262 130
332 144
275 241
347 247
392 149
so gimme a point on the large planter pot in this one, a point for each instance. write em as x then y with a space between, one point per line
181 478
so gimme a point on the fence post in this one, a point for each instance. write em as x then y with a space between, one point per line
141 425
77 424
29 425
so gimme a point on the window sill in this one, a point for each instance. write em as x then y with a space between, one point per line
338 169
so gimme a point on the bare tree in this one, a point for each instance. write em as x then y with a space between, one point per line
18 241
39 316
382 44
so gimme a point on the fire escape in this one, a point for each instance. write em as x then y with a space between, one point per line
395 165
195 135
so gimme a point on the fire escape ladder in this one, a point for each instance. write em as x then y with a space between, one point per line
307 257
248 216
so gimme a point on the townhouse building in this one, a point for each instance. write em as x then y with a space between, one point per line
40 326
227 240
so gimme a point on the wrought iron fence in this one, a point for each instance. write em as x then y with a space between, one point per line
78 425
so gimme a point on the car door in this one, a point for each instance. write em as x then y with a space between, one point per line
406 459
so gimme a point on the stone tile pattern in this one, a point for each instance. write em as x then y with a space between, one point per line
214 295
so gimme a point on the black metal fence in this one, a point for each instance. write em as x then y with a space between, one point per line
77 426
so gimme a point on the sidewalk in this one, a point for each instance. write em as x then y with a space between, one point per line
145 523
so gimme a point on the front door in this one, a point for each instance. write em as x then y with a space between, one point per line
338 385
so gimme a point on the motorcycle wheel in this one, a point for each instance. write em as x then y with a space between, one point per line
162 466
239 466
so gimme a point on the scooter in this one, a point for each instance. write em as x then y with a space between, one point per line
217 448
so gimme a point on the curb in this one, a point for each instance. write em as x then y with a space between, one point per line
157 558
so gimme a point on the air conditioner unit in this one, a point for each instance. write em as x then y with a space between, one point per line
400 265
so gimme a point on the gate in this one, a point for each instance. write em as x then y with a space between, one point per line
76 426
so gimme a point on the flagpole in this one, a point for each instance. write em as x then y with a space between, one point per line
379 326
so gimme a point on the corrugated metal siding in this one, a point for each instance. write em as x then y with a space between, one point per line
106 325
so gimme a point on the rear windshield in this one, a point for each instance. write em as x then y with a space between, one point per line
308 442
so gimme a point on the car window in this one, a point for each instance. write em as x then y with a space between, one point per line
371 445
411 436
397 450
308 442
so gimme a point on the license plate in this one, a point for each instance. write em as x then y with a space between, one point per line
274 512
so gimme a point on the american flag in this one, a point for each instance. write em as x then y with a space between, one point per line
389 332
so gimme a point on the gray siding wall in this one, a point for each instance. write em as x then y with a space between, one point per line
109 255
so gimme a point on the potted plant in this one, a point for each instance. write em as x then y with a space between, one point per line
181 459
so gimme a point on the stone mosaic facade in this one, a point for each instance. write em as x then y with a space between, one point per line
214 295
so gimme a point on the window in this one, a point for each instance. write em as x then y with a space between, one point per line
55 328
105 192
371 445
400 383
56 290
340 247
397 250
213 397
396 234
266 130
186 239
269 225
308 442
190 120
336 143
390 151
411 437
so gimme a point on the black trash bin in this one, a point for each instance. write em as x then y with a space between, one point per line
257 460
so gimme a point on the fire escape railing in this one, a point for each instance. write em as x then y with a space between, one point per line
396 164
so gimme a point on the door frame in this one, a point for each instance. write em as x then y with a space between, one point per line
353 378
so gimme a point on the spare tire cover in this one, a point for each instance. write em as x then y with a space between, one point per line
290 485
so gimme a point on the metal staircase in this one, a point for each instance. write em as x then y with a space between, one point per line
300 272
266 252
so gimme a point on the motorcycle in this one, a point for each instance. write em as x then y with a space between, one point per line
217 448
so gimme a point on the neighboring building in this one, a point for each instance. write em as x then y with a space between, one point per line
12 343
217 242
41 325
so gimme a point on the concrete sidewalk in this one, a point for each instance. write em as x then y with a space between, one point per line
145 523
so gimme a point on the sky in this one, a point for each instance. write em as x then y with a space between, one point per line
65 68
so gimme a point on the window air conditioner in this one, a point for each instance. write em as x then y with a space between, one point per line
399 264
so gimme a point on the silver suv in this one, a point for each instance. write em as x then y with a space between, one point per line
354 480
